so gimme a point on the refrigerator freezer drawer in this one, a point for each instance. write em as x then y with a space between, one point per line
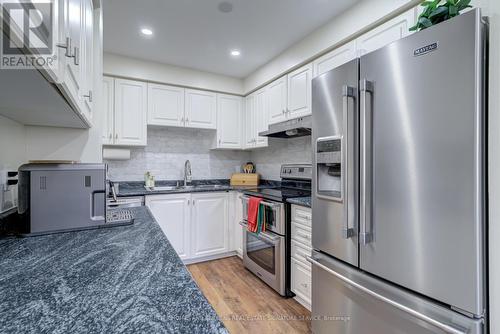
345 300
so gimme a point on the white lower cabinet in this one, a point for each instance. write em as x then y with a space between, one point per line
301 247
209 224
301 282
173 214
197 225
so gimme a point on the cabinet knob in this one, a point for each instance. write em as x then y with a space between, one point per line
283 111
110 136
116 135
219 141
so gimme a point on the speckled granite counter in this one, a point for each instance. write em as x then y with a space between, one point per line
304 201
127 189
115 280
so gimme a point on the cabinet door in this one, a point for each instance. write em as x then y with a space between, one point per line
201 110
229 121
386 33
237 228
209 224
335 58
300 282
165 105
299 92
249 121
130 113
74 27
87 58
261 117
173 215
108 86
277 100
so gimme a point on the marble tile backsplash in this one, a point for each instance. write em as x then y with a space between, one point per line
280 151
169 148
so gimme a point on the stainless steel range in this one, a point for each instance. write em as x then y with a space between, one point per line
267 254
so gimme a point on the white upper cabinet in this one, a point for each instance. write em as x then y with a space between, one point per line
261 117
256 118
277 100
386 33
229 122
74 18
87 58
249 121
130 113
108 103
299 92
201 109
209 232
335 58
173 214
165 105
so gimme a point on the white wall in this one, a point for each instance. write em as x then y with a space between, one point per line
356 20
169 148
117 65
281 151
12 144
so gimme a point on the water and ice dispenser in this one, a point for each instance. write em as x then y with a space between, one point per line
330 168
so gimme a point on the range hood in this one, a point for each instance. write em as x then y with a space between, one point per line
297 127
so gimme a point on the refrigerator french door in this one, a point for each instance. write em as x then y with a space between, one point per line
406 220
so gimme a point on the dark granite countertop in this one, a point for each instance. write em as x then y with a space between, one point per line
304 201
127 189
123 279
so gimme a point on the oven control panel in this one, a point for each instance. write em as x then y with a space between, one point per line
296 171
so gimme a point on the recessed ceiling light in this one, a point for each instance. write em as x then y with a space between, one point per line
146 31
225 7
235 53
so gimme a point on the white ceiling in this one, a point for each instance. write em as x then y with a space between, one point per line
195 34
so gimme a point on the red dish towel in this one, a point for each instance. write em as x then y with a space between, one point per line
253 211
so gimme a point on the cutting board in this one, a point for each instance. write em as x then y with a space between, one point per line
245 179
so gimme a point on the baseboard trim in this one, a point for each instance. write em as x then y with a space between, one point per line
210 257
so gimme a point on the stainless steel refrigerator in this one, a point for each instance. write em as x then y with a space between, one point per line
399 226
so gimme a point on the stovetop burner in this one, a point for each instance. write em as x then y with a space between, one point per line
278 194
295 182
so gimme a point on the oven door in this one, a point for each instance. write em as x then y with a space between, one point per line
277 209
264 255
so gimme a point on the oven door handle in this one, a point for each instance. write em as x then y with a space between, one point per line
272 205
265 236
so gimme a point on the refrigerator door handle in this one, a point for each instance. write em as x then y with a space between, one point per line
366 234
347 92
445 327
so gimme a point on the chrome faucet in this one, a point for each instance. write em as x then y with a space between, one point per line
187 172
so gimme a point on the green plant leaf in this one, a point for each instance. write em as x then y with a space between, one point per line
425 22
462 4
440 11
453 11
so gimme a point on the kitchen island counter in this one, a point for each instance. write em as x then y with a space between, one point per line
110 280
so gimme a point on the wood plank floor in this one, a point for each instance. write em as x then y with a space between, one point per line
245 303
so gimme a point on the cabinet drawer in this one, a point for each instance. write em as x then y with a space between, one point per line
301 215
301 234
300 252
301 281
